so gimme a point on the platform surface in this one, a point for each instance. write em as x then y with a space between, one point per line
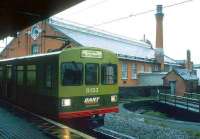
13 126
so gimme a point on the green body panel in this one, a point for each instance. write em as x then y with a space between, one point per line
74 55
79 93
46 100
37 97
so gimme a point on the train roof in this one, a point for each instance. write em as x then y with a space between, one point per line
31 56
53 53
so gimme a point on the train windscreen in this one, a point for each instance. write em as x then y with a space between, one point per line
72 73
109 74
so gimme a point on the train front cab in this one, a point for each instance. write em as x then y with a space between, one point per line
88 83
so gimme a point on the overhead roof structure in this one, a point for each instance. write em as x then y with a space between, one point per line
16 15
125 48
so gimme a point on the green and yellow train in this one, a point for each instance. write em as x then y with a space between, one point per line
72 83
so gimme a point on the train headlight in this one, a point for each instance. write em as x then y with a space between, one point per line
66 102
114 98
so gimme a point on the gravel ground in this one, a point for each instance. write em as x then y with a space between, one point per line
134 124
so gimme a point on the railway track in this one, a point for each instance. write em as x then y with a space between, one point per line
57 130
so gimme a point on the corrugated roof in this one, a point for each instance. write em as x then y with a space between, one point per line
181 62
170 61
125 48
197 66
198 74
186 74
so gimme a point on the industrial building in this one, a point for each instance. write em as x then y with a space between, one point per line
136 57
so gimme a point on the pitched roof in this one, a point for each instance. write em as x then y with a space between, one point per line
198 74
197 66
182 62
186 74
124 47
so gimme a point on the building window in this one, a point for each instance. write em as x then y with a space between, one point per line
150 69
134 71
170 68
142 69
124 71
35 49
155 68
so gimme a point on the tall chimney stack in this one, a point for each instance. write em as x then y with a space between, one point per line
159 52
188 61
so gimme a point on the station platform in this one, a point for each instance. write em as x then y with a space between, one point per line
13 126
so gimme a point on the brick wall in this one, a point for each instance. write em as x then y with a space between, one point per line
22 44
180 83
148 67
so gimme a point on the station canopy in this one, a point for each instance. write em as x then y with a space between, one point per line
16 15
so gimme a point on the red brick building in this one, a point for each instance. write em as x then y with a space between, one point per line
39 38
181 81
135 56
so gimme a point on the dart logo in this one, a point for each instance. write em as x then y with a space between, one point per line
91 101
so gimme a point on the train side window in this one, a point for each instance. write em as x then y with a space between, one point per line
109 74
91 74
1 72
8 72
20 75
72 73
31 75
48 76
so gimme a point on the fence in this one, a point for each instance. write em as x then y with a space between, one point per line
188 103
192 95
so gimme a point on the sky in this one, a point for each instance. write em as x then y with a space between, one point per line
181 22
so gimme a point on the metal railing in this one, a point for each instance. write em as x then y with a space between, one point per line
191 104
192 95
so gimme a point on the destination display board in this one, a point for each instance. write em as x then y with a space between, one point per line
91 54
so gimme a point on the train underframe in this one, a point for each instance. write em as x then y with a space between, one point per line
87 118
